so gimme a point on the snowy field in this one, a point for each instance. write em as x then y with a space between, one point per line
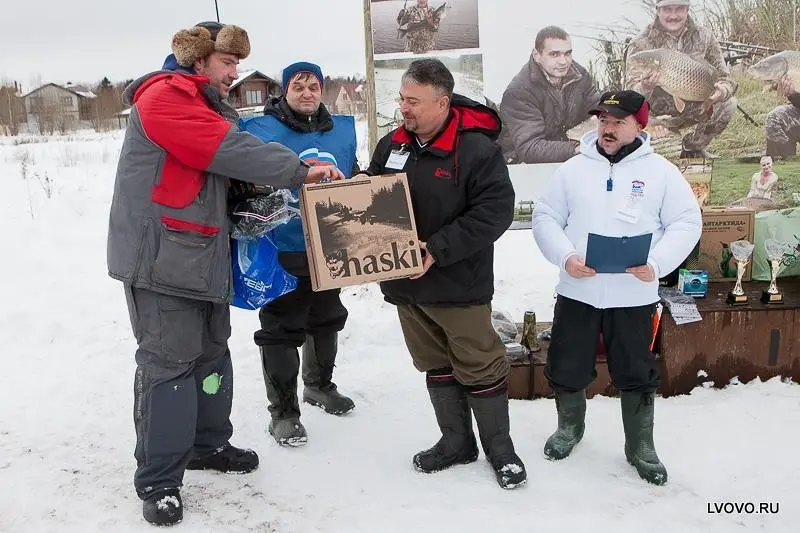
66 433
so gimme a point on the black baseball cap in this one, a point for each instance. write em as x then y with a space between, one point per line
623 103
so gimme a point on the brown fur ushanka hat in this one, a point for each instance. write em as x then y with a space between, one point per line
201 41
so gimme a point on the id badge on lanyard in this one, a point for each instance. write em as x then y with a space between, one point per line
397 159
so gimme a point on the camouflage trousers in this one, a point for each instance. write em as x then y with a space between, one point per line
420 41
706 126
782 131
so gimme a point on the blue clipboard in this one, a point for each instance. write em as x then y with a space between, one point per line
612 255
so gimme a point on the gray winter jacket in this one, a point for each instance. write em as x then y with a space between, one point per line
168 226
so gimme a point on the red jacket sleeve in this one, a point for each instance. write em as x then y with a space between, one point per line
174 115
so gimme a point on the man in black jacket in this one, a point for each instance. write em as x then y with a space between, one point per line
463 202
549 96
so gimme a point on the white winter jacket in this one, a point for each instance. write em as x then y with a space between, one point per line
577 203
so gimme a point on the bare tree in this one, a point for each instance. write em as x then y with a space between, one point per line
12 108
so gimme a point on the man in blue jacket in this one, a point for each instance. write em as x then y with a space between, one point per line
616 186
300 121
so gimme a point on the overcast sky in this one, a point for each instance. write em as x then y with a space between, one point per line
84 40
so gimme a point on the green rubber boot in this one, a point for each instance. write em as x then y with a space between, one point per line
571 414
637 420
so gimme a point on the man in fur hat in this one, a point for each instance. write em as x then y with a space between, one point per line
168 243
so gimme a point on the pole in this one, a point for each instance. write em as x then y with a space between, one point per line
216 8
372 112
10 111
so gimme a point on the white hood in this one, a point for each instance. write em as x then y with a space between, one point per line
589 147
577 203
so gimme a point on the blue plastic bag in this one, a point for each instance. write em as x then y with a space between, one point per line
258 277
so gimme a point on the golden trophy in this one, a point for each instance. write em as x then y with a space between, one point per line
775 250
741 250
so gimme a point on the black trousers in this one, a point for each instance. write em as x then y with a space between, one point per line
627 333
285 321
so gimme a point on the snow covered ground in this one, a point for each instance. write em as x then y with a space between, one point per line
66 434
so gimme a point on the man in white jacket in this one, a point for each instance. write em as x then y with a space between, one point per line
616 186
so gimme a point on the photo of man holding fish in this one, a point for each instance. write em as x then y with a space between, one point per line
680 67
782 125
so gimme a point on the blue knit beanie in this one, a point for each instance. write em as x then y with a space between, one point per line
301 66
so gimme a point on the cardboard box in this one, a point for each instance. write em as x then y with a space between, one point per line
359 230
722 226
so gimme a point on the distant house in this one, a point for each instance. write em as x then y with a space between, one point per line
350 100
250 92
54 107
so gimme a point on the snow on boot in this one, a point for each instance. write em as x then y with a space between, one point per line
163 507
571 407
490 407
637 419
457 444
229 459
280 365
319 356
288 431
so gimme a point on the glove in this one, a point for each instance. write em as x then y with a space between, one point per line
242 190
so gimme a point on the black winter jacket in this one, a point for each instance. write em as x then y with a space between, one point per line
463 202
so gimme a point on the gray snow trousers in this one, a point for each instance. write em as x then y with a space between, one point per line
183 385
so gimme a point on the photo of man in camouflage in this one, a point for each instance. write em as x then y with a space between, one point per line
782 126
418 26
674 29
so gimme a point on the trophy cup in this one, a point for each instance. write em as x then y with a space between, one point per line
775 250
742 250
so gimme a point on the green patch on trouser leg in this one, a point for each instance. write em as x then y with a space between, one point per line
212 383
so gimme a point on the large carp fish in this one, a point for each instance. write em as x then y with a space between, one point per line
684 77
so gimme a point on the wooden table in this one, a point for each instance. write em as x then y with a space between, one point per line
756 340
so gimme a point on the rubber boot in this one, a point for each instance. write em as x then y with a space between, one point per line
640 451
490 407
280 365
319 357
571 407
457 444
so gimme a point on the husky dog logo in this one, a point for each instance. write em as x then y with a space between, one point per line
335 263
313 157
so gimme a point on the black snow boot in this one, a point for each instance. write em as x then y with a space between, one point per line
640 451
457 444
163 507
229 459
571 407
319 357
280 365
490 407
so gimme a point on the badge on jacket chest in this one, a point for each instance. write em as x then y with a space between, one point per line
397 160
632 210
